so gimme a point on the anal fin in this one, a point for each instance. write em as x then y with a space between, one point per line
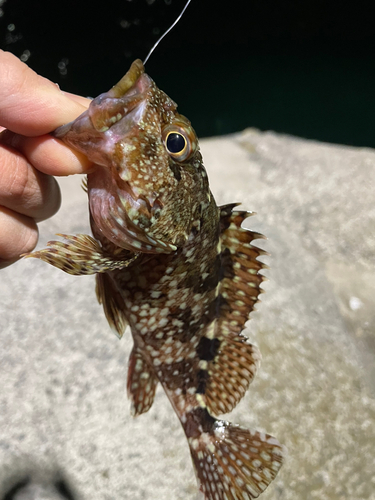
141 383
233 463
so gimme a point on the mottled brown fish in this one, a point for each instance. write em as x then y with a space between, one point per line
179 270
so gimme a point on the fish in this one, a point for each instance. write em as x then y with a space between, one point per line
181 271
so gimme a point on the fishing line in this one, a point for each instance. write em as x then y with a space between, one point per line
166 33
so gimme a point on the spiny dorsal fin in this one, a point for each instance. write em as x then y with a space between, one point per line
141 384
231 361
240 287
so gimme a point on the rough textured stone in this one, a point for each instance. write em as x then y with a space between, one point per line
63 406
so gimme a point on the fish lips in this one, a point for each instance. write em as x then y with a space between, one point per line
107 121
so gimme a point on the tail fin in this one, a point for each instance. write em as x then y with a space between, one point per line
233 463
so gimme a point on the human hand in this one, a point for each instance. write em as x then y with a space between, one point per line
30 107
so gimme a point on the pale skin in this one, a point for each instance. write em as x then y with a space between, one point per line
30 107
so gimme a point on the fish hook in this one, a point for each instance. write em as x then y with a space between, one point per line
166 32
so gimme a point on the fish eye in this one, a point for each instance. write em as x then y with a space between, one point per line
179 139
175 143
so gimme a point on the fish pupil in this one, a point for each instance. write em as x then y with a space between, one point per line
175 142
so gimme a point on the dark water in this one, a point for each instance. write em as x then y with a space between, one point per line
303 68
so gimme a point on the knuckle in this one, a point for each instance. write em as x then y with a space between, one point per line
18 234
29 241
19 179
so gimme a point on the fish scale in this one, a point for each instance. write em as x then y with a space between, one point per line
180 271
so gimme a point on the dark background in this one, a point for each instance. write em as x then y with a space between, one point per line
300 67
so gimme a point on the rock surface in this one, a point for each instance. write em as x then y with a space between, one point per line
64 416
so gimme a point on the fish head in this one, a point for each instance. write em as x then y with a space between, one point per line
149 187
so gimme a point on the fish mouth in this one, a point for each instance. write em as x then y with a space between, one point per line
110 117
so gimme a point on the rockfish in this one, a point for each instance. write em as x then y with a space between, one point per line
176 268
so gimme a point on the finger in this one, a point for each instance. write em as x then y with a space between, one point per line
26 190
48 154
18 235
30 104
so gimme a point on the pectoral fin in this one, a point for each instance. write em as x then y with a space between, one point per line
80 255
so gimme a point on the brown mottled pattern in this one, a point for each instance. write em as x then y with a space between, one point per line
180 271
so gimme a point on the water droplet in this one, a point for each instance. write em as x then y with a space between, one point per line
11 27
124 23
25 55
11 37
62 65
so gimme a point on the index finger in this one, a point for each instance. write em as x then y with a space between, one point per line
30 104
